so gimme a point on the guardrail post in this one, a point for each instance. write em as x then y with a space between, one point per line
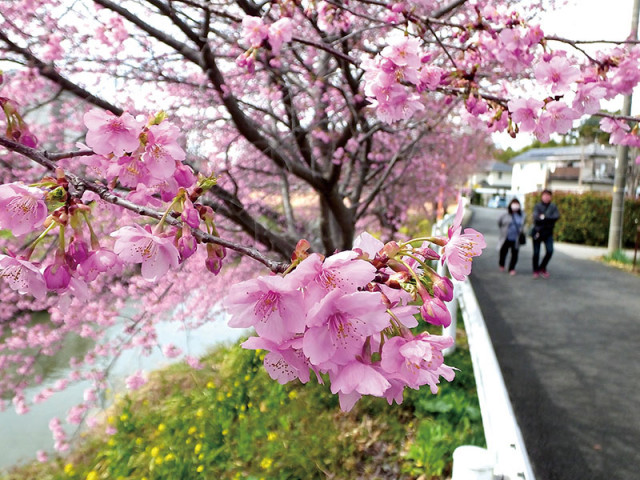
472 463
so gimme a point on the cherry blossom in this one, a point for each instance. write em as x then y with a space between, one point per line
22 276
136 244
109 134
22 208
461 247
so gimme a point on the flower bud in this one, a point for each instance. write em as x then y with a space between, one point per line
442 288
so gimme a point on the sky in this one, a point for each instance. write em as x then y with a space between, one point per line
583 20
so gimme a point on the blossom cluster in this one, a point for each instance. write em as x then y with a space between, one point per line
144 158
257 34
397 78
349 315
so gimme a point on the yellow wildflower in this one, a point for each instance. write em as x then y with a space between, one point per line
266 462
92 475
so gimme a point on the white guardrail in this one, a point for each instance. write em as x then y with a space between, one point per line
505 457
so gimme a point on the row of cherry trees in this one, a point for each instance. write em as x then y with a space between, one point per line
285 120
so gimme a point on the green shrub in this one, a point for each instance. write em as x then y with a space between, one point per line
585 218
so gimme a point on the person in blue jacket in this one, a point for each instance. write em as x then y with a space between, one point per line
545 216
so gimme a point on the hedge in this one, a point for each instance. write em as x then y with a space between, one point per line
584 218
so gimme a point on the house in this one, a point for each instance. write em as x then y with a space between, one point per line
578 168
492 182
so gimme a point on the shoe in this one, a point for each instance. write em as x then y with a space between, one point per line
544 273
536 274
512 272
502 269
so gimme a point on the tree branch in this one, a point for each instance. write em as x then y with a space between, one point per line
81 185
48 71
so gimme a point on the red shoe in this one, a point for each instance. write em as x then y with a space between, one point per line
512 272
536 274
502 269
544 273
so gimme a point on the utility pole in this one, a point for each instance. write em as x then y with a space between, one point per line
622 160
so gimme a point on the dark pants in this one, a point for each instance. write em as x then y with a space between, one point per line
548 245
506 246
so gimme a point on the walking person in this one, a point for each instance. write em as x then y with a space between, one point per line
511 228
545 216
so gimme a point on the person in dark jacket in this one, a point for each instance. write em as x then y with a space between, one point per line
545 216
511 226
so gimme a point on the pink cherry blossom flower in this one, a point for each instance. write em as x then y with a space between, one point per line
367 243
339 325
280 32
476 105
430 77
525 111
110 134
418 360
358 378
340 271
171 351
403 51
558 117
461 247
22 208
254 30
77 252
157 254
162 150
285 361
558 72
193 362
130 171
617 128
136 380
98 261
273 305
588 96
23 276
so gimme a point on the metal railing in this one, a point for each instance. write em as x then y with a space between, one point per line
505 457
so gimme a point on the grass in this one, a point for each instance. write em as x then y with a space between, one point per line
619 259
231 421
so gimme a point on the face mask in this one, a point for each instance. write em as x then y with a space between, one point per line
515 208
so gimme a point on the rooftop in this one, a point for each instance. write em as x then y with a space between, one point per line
565 153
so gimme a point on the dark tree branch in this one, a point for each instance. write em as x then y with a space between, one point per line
81 185
49 71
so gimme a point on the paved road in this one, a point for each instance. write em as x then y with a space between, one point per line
569 351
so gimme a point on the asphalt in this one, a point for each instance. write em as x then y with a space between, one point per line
569 351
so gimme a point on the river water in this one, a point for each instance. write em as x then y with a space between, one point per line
21 436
